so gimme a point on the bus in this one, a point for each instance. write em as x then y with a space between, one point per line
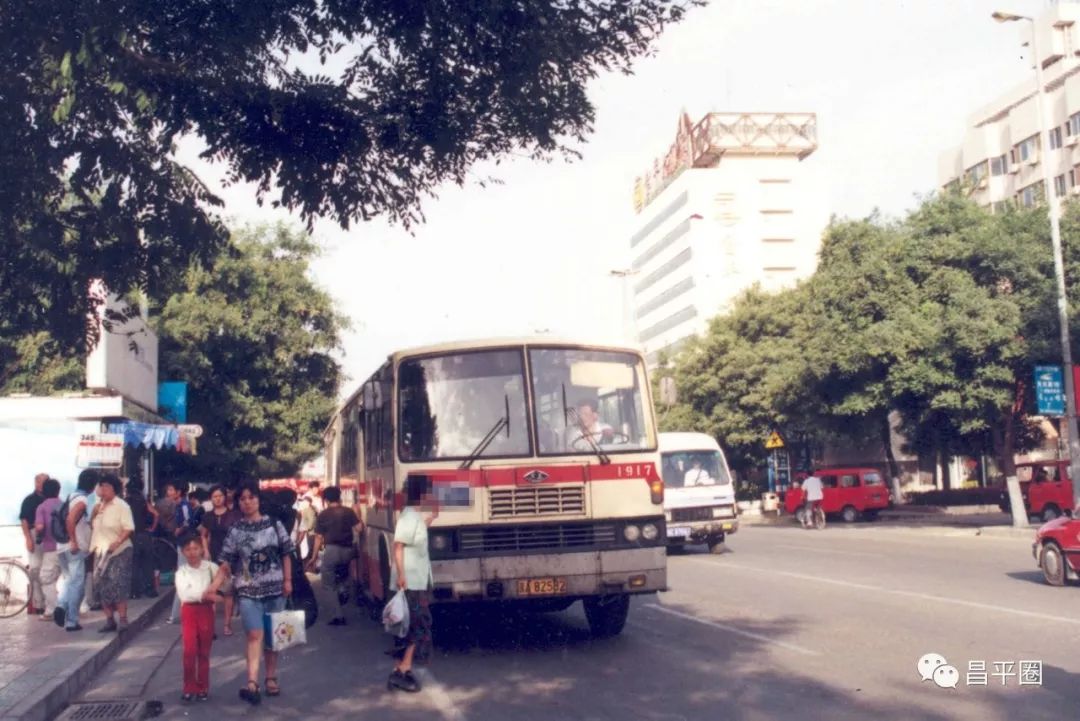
543 461
699 495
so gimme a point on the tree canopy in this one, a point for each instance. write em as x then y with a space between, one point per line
940 317
350 110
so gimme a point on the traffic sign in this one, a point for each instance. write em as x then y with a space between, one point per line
1050 390
100 450
774 441
192 429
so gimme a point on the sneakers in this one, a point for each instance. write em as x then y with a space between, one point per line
76 627
403 681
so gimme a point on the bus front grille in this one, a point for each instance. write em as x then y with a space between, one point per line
537 501
537 537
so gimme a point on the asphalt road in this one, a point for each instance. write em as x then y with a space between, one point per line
789 624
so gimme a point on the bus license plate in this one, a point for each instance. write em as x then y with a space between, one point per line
678 531
541 587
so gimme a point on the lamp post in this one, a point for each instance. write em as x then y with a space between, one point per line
1059 263
629 330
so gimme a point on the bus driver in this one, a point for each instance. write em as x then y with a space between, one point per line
585 425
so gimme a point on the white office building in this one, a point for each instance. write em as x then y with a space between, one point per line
1000 158
734 202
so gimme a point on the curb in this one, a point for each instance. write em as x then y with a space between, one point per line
51 698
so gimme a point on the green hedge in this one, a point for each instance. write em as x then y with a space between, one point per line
958 497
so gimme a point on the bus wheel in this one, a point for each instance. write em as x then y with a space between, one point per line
375 608
607 614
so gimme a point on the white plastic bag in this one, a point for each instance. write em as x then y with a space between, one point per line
284 629
395 616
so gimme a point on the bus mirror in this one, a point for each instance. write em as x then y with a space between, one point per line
668 395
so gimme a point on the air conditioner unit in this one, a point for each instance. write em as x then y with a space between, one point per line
1072 140
1014 168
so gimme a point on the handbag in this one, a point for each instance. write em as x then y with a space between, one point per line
284 629
395 616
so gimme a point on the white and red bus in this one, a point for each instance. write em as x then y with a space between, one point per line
544 463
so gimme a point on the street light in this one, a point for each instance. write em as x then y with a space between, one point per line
1059 263
629 330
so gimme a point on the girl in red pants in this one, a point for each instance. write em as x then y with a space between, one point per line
196 617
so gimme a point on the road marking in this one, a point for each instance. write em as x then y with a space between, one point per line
898 592
817 549
731 629
438 694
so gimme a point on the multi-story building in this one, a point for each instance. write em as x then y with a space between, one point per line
733 203
999 160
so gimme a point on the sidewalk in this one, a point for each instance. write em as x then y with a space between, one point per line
43 667
932 520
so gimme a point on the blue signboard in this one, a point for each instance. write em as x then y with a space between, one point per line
172 401
1050 390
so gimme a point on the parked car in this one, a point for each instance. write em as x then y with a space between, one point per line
1057 550
851 492
1046 488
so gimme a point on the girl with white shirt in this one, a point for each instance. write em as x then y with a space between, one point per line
193 579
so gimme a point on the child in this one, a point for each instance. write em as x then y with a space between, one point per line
193 577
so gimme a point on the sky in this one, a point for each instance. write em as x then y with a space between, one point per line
892 83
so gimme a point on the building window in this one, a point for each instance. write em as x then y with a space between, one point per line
999 165
976 173
1059 186
1072 178
1073 126
1028 149
1055 138
1031 195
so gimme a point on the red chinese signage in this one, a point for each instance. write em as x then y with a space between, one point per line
679 157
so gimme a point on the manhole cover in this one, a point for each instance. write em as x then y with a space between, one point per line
103 711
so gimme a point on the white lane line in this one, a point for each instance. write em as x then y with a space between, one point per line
438 694
818 549
736 631
898 592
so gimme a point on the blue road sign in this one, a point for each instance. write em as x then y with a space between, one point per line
172 401
1050 390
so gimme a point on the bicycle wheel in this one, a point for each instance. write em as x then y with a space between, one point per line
14 589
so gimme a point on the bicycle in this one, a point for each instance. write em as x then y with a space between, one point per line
816 519
14 587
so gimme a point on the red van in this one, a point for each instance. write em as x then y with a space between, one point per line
851 492
1057 551
1047 490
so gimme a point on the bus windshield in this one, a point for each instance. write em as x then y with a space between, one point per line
684 469
590 399
449 403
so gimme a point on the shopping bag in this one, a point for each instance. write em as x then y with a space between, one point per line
395 616
284 629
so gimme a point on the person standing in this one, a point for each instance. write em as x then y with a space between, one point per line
193 578
257 553
110 542
27 518
73 554
145 517
411 573
215 526
334 530
43 536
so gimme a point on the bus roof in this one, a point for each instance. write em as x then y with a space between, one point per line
672 442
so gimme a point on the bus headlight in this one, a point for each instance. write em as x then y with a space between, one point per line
440 542
631 533
649 532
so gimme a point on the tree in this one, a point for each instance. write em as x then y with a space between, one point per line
252 336
95 96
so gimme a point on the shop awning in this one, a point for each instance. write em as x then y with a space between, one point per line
150 435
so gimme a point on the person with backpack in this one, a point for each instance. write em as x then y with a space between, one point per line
43 528
74 550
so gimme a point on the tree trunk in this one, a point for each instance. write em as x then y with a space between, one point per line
1005 446
894 467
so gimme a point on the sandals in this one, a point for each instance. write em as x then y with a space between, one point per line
275 690
227 631
253 697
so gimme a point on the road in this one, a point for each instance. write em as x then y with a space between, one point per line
789 624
